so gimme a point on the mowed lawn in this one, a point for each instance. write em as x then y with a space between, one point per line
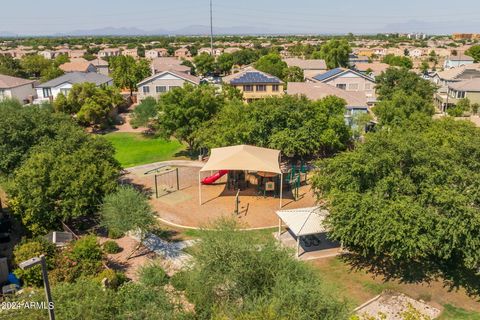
133 149
358 286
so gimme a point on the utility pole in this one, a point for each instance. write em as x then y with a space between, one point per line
211 28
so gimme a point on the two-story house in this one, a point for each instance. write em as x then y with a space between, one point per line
182 53
310 67
163 82
255 84
457 61
469 89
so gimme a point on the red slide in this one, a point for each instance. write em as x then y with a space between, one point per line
215 177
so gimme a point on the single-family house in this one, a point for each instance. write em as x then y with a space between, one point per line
130 53
231 50
456 91
75 54
16 88
47 54
155 53
101 65
356 101
182 53
168 63
349 80
353 59
371 69
63 84
163 82
109 52
457 61
310 67
204 50
416 52
255 84
78 65
465 72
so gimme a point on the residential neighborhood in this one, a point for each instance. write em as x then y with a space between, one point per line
230 160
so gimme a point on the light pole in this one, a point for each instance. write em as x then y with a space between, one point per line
41 261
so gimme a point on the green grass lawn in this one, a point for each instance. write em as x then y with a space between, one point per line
133 149
453 313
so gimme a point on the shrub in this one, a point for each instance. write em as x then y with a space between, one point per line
111 246
114 234
144 113
179 280
29 249
81 258
114 278
152 275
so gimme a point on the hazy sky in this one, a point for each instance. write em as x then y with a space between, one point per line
313 16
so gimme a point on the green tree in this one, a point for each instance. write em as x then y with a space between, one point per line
237 275
34 65
397 61
50 73
127 72
225 63
127 210
424 67
394 79
293 74
272 64
184 110
335 52
204 64
459 109
64 177
145 113
244 57
10 66
400 198
474 52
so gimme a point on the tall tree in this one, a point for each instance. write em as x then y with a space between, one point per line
35 65
394 79
474 52
272 64
408 196
225 63
293 74
335 53
204 63
127 72
184 110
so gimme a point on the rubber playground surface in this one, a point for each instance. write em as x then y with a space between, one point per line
182 206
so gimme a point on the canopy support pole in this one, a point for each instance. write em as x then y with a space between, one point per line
279 228
200 187
281 189
298 246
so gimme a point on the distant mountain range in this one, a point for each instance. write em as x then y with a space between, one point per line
189 30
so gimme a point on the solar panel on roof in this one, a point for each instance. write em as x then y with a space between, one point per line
255 77
328 74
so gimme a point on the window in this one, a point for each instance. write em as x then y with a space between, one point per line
353 86
261 88
248 88
146 89
460 94
275 88
64 91
47 92
368 86
342 86
161 89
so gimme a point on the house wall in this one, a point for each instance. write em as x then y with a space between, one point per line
252 95
102 70
353 82
452 64
168 81
22 93
474 97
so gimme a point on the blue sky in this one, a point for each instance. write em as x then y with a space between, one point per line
312 16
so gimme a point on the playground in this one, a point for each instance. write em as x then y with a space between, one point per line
180 199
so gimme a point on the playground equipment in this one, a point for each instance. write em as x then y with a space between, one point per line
215 177
168 180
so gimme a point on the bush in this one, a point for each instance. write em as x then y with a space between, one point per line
29 249
144 113
81 258
114 278
179 280
153 275
114 234
111 247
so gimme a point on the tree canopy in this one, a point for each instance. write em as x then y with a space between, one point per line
408 195
204 64
398 61
474 52
127 72
296 125
272 64
335 52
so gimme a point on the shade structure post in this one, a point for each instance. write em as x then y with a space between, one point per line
199 187
298 246
281 189
279 228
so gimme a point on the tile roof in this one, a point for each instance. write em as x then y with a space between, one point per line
320 90
7 82
335 72
472 85
250 75
72 66
453 73
99 62
169 63
181 75
376 67
77 77
306 64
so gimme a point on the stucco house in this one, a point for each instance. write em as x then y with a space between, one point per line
457 61
130 53
469 89
310 67
155 53
163 82
78 65
255 84
50 89
16 88
168 63
182 53
101 65
109 52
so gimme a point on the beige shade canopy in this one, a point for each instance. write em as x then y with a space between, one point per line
243 157
304 221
